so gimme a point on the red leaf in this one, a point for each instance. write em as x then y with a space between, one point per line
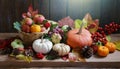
30 9
66 21
34 13
2 44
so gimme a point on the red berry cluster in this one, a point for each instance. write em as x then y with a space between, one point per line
40 55
110 28
100 35
97 36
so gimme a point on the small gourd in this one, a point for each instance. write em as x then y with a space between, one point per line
56 38
61 48
42 46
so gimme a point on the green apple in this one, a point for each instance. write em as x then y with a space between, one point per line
64 28
17 43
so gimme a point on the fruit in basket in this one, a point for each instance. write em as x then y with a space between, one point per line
47 24
111 46
43 29
61 48
42 46
17 43
28 21
103 51
35 28
38 18
25 28
75 39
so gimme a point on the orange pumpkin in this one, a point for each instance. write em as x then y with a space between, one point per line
75 39
111 46
103 51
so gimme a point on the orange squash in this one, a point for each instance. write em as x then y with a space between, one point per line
111 46
103 51
75 39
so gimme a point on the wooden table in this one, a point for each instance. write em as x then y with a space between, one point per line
112 60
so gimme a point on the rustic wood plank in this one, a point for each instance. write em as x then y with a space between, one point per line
4 15
57 9
0 15
108 11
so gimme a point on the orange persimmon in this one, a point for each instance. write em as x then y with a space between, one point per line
103 51
111 46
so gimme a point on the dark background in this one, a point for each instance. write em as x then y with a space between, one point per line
105 10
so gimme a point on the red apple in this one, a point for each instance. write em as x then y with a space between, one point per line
47 24
39 18
28 21
43 29
25 28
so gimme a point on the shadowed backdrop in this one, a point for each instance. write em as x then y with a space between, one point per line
105 10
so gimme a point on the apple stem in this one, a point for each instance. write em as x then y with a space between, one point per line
80 29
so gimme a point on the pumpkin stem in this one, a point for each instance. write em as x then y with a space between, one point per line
80 29
42 39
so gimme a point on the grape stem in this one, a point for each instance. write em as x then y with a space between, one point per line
80 29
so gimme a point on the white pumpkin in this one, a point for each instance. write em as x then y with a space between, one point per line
44 46
61 48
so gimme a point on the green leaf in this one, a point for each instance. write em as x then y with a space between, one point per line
17 26
85 23
99 43
108 38
117 43
53 24
20 57
78 23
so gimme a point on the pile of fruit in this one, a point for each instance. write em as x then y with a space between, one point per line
63 39
32 22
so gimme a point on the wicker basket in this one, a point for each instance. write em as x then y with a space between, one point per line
28 38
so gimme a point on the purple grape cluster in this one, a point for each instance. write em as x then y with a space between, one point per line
57 30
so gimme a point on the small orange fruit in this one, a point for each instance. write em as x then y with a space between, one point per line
111 46
103 51
35 28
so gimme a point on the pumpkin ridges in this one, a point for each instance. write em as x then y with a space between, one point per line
61 48
43 47
79 40
73 45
